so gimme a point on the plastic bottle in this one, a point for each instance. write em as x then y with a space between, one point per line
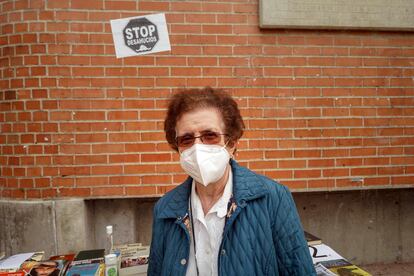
109 248
111 265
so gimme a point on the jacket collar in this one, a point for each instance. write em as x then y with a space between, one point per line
246 186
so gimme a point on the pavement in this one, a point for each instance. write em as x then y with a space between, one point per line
397 269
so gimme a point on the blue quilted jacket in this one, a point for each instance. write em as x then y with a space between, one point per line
263 236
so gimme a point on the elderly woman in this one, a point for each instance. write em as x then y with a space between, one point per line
224 219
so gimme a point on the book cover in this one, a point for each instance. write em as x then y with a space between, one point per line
335 263
323 271
322 252
14 262
47 268
84 270
350 270
65 259
312 239
90 254
17 273
89 257
133 259
343 268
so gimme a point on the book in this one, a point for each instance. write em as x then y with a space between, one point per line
32 261
335 263
67 257
322 252
65 261
133 259
14 262
323 271
89 254
350 270
47 268
343 267
311 239
93 269
89 257
17 273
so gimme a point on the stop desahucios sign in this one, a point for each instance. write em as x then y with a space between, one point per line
140 35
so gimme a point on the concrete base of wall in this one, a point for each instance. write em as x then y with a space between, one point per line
371 226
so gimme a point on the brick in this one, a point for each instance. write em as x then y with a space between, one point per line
107 148
104 191
124 158
48 193
156 179
141 191
292 163
120 71
335 172
75 149
139 82
120 5
87 71
226 39
231 18
216 7
91 181
70 15
90 138
135 169
90 159
260 165
90 5
187 6
314 173
73 60
106 170
153 6
74 192
123 115
321 183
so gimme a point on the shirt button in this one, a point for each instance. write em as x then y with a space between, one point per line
223 252
183 261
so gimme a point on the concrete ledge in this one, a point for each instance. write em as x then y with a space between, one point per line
370 226
64 226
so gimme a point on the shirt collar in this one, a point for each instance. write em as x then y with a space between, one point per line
220 207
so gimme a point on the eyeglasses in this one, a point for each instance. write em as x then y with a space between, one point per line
207 137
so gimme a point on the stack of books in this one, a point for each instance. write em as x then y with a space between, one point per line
133 260
34 264
327 262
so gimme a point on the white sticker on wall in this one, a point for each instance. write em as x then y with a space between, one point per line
140 35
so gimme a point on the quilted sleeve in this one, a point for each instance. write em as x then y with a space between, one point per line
156 251
292 251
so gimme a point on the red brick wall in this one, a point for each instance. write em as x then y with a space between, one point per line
321 107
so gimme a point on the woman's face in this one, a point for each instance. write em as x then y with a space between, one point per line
45 268
198 121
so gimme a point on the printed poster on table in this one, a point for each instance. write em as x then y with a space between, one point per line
140 35
322 253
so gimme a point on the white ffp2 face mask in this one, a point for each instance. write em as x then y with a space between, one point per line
205 163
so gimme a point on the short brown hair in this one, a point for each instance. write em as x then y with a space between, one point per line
190 99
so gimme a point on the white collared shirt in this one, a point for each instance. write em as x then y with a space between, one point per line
208 232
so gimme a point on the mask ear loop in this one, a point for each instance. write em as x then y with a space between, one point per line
225 147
